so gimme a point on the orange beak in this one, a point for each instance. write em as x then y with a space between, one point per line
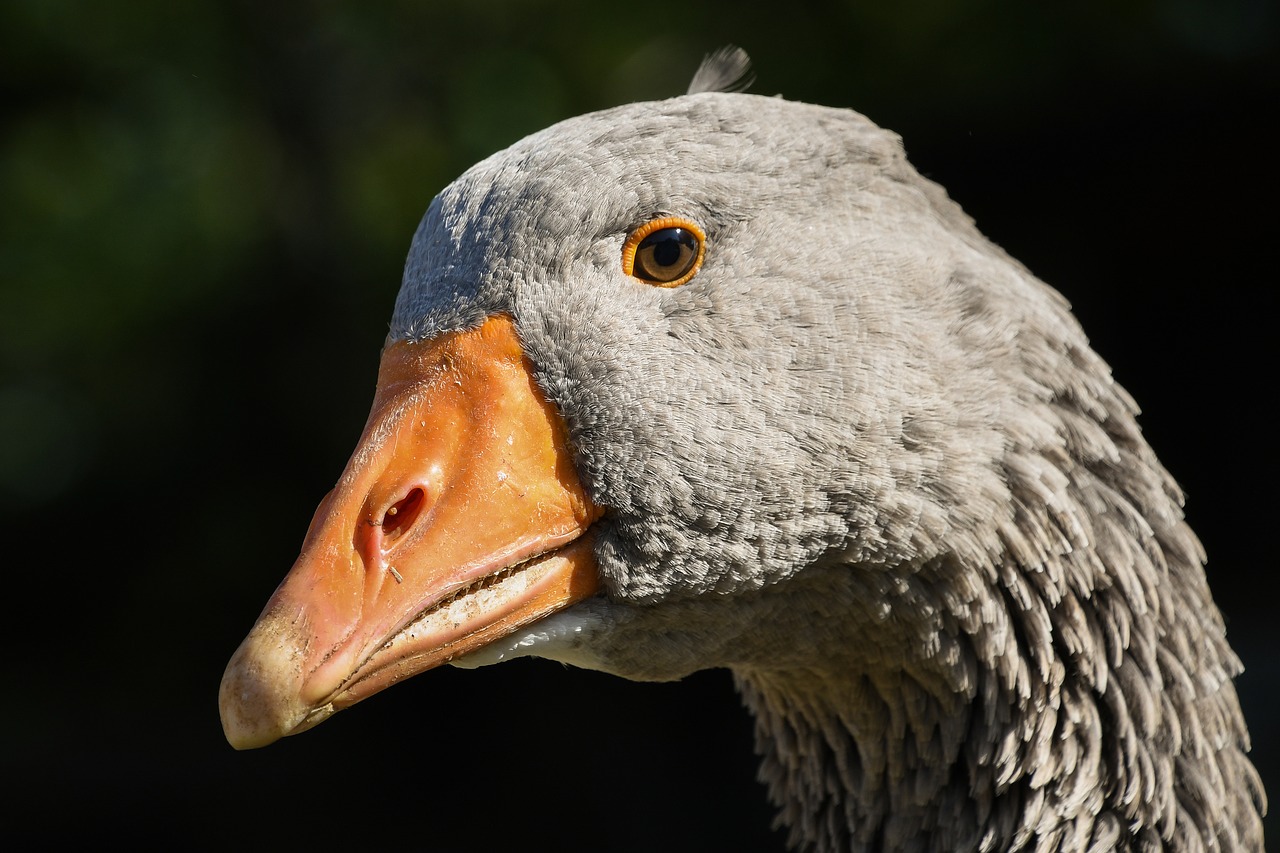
458 520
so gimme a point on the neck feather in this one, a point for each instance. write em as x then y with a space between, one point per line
1074 693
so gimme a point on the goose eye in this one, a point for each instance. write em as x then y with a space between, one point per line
666 252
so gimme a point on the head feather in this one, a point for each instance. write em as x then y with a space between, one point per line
725 70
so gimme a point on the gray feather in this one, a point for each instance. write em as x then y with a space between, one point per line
868 462
725 70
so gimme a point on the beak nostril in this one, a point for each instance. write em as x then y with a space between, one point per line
400 516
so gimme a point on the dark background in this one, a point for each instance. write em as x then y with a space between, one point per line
204 209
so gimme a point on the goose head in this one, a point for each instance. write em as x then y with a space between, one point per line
685 444
721 381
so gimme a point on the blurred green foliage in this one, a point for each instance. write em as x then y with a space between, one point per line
204 208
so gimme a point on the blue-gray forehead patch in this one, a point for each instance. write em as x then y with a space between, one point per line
442 289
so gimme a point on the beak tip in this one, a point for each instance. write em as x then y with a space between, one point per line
259 700
244 721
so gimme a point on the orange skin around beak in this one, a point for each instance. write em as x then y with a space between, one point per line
458 520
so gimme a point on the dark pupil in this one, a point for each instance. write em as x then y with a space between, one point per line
667 250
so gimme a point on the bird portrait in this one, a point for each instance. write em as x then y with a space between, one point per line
722 382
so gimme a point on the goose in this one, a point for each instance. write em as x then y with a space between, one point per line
722 381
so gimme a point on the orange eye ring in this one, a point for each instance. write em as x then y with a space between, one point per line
665 252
